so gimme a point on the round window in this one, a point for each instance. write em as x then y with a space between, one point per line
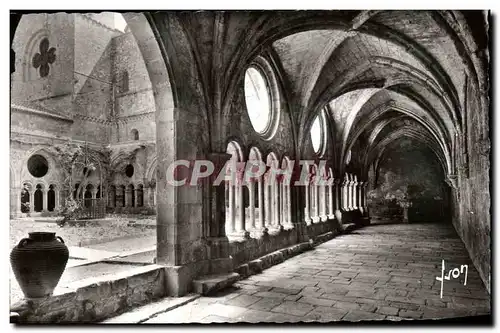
257 99
129 170
318 134
38 166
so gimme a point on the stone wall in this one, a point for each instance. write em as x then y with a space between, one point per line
27 84
471 195
95 299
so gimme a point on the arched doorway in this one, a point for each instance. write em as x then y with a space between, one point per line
38 199
51 199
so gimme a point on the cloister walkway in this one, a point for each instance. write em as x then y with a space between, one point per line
383 271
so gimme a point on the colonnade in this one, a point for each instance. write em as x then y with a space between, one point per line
131 196
268 206
323 198
37 199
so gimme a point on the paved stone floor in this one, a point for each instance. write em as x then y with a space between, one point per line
380 272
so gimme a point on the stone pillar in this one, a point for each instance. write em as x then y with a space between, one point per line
365 201
145 197
282 203
57 203
323 202
154 195
331 208
44 200
232 208
349 194
316 203
251 203
262 218
275 201
136 192
345 196
240 225
279 201
268 204
354 195
32 201
307 205
289 204
359 199
128 197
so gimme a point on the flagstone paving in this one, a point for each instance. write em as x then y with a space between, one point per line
380 272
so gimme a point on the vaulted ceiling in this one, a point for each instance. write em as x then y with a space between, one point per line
369 69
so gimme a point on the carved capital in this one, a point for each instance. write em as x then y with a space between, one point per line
452 181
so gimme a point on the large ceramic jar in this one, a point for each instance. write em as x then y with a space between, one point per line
38 263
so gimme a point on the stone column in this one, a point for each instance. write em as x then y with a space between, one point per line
323 202
349 195
359 199
127 197
282 203
232 208
240 225
267 203
307 208
251 203
275 204
136 192
44 200
289 204
279 201
262 218
316 203
331 208
57 203
345 196
365 203
145 197
32 201
154 195
354 195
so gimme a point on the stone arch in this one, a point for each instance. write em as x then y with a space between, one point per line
234 149
151 170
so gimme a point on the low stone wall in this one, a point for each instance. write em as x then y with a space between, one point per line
249 249
95 299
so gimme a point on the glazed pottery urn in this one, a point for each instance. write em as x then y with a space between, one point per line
38 263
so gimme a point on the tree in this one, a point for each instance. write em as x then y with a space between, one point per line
73 158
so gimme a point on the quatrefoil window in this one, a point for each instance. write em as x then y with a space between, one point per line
42 60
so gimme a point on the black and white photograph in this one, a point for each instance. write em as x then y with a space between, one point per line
224 166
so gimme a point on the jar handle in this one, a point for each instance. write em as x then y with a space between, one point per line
60 239
23 242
